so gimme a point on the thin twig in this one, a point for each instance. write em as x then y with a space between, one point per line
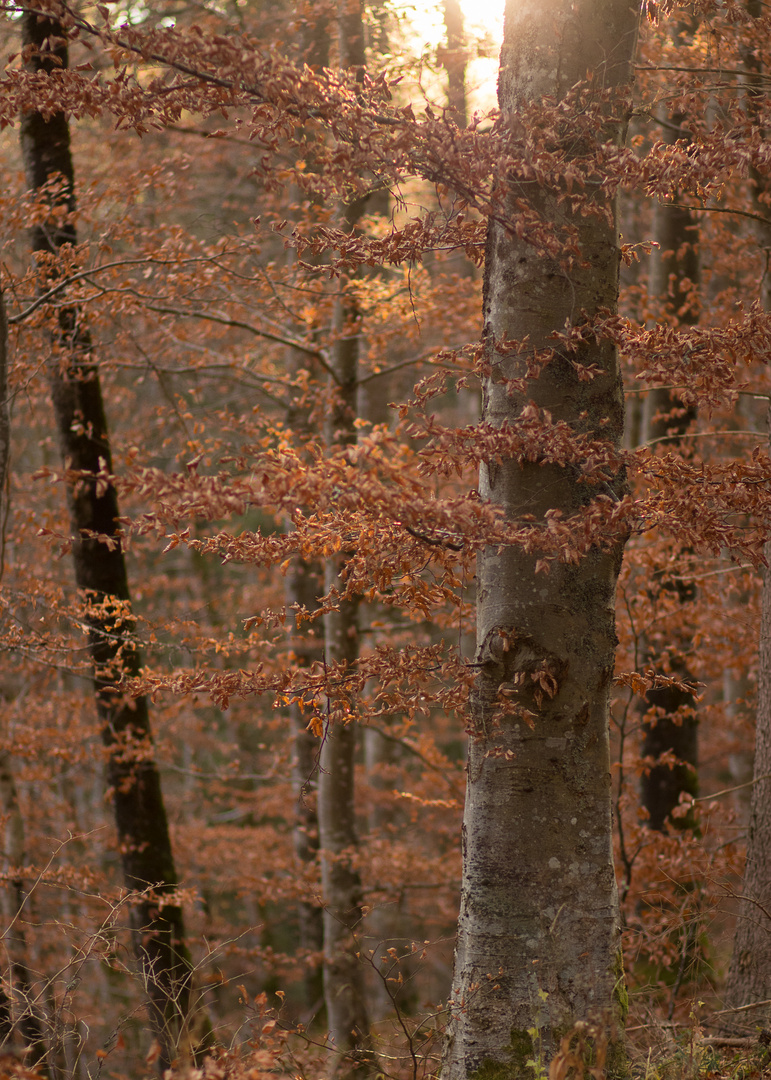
730 790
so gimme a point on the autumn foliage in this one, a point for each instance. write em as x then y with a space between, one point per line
218 277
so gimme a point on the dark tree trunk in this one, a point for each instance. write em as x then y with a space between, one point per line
100 573
670 733
673 731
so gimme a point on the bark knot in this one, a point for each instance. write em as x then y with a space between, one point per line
522 668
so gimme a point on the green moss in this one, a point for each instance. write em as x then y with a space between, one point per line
617 1063
521 1048
620 994
518 1053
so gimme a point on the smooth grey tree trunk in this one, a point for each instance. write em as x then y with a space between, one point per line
538 931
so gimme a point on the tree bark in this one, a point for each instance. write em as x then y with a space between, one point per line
538 931
100 573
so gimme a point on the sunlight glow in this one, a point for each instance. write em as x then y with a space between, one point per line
483 26
483 23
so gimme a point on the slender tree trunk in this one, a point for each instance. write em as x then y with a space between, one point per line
100 573
454 60
538 931
674 730
384 927
30 1024
344 985
304 585
24 991
351 41
749 974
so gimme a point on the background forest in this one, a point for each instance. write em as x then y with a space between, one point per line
241 360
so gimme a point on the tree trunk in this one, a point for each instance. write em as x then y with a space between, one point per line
674 730
304 586
671 732
351 36
454 60
344 985
30 1024
538 935
100 573
749 974
25 993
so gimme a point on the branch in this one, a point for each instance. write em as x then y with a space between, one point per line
61 285
237 324
721 210
729 791
432 541
413 750
703 434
